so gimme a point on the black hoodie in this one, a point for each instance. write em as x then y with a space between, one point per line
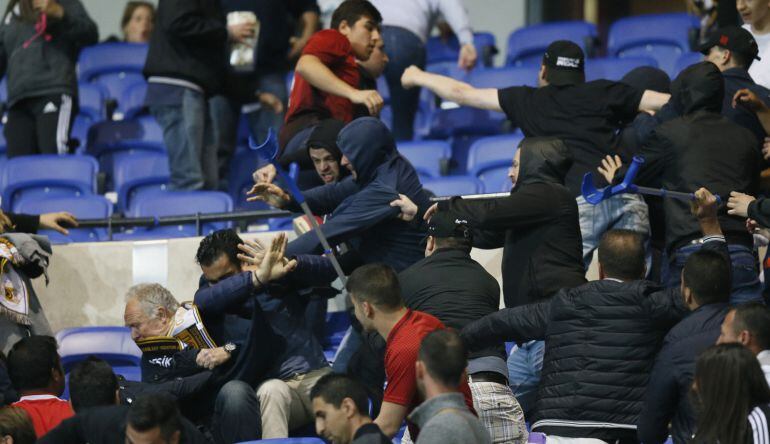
702 148
537 225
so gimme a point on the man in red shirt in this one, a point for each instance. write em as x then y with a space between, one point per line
376 296
326 80
35 370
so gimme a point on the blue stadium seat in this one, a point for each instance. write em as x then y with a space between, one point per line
113 344
382 88
109 58
664 37
449 69
131 103
142 133
428 157
83 207
176 203
686 60
35 177
286 441
453 185
386 116
91 102
493 151
115 85
4 90
527 45
138 171
3 143
614 68
536 438
490 158
337 324
79 132
439 51
239 179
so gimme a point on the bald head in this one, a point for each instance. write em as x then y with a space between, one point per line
621 255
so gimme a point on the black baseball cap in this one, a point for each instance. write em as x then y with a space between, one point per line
447 224
735 39
565 62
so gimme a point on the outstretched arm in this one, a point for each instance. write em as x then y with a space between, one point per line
451 89
312 69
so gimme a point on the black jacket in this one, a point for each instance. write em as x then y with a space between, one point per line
454 288
701 148
44 67
759 210
537 224
188 43
739 78
601 339
106 425
667 394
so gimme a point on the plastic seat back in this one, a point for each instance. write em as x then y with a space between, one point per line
428 157
527 45
82 207
47 175
453 185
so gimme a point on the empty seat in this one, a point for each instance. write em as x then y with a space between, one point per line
495 179
686 60
131 102
35 177
83 207
116 84
527 45
91 102
664 37
79 132
108 58
614 68
113 344
141 133
453 185
438 50
429 157
493 151
134 172
176 203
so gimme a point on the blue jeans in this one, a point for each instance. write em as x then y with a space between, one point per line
187 133
524 366
236 414
622 211
745 271
404 49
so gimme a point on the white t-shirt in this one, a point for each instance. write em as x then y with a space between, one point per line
760 69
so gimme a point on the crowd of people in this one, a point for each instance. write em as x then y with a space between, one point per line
673 339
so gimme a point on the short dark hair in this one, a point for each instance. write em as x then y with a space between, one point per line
461 243
351 11
754 317
216 244
132 6
30 362
155 410
15 421
707 274
376 284
334 388
621 254
92 384
444 355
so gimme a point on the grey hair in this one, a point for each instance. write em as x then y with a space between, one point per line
152 296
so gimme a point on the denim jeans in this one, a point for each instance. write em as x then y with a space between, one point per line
187 133
236 414
404 49
745 271
524 366
622 211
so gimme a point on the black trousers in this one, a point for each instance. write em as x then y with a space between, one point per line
40 125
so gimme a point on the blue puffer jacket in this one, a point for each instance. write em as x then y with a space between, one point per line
366 215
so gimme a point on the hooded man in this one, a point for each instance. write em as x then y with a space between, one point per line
360 208
703 148
537 226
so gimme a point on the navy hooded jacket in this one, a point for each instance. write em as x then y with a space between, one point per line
381 175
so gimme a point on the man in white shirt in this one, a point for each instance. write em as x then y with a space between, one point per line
406 26
756 19
749 324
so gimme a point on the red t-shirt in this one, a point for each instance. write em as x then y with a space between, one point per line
311 104
401 351
45 411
